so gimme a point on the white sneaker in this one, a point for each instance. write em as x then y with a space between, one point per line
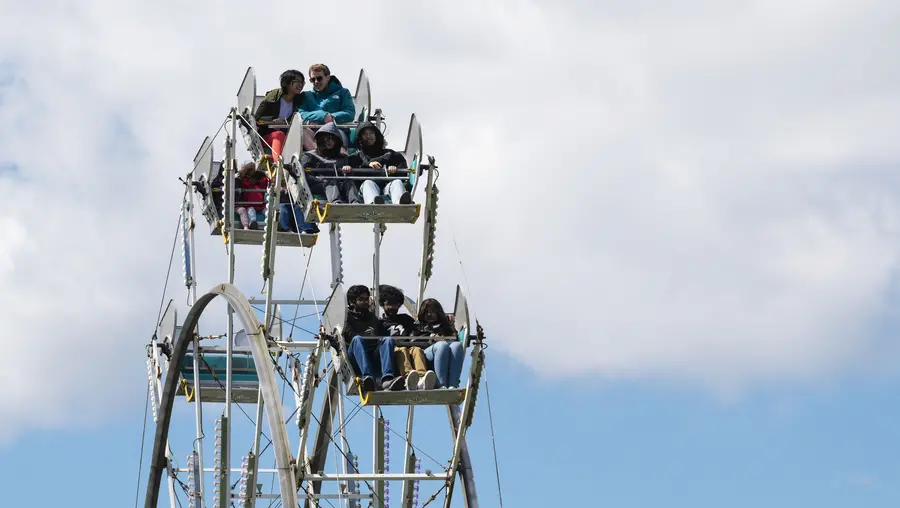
428 381
412 380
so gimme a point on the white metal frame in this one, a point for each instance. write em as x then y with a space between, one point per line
294 471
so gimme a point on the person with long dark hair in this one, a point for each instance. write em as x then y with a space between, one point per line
374 153
445 355
278 107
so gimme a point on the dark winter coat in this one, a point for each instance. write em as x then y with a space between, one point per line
438 330
377 152
365 324
318 158
399 325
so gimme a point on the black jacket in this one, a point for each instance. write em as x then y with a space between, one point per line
401 325
334 159
378 152
438 330
365 324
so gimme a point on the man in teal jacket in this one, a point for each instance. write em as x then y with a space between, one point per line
328 101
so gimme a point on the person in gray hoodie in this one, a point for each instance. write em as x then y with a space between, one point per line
329 154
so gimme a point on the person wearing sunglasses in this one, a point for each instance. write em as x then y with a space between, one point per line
328 101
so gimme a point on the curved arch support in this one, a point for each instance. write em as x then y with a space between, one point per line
267 384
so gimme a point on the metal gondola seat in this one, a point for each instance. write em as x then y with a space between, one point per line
212 375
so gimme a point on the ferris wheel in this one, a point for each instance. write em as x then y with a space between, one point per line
232 400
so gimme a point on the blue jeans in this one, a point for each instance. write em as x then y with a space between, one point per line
290 221
361 357
447 358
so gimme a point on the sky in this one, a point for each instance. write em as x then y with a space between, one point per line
677 222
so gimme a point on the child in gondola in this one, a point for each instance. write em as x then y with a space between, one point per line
250 200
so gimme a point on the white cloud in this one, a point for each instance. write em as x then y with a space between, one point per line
700 194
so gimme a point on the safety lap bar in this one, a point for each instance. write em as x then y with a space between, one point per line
313 126
362 172
403 341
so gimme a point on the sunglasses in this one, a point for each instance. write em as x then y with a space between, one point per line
316 79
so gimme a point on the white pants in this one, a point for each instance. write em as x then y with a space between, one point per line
370 190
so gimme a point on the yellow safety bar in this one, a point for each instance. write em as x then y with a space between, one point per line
362 398
322 216
269 171
222 230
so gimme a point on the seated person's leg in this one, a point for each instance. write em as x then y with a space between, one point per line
389 378
404 366
457 357
332 192
275 139
359 359
427 378
398 193
401 360
349 189
309 139
245 219
309 228
286 218
371 193
300 221
438 355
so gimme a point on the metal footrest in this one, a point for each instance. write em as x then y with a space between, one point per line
358 213
436 397
282 239
210 391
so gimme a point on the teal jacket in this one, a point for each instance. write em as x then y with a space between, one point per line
335 99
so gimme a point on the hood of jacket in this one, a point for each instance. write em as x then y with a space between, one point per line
331 129
378 147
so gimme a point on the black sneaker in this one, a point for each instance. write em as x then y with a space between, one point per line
253 225
368 385
405 198
379 200
394 384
